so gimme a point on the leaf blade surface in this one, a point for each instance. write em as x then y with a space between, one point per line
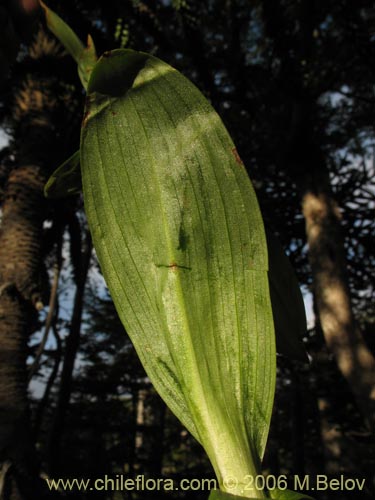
181 243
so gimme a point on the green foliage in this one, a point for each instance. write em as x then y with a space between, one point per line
122 33
85 57
251 75
180 239
179 4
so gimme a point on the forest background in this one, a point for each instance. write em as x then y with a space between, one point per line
293 81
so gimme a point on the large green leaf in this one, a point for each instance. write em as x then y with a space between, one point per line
180 239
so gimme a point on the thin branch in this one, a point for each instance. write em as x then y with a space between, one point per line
71 349
51 312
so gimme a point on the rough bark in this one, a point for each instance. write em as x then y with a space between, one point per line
303 158
20 250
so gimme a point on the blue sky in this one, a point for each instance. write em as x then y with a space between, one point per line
3 138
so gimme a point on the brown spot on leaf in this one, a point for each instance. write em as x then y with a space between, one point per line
86 116
84 119
237 156
173 266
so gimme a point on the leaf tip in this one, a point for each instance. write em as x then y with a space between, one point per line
47 11
90 42
48 187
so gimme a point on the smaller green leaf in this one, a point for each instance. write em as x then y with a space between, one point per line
287 303
85 57
277 494
87 61
66 179
63 32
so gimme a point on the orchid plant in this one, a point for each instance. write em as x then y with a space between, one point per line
180 240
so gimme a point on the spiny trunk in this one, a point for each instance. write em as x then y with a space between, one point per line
328 264
21 267
20 249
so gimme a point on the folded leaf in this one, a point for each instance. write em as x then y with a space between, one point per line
66 179
287 303
180 240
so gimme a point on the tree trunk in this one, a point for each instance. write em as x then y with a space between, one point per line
22 273
20 250
71 349
303 158
328 264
